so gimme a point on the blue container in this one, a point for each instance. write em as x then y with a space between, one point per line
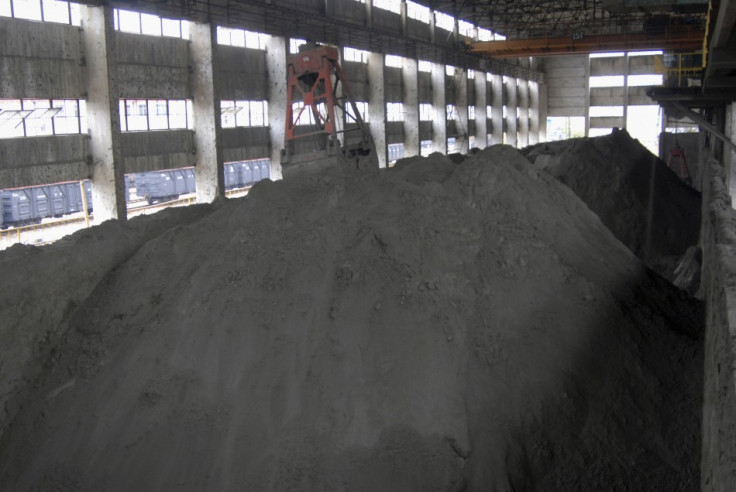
246 173
191 180
265 166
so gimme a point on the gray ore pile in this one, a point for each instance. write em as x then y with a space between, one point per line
644 204
433 326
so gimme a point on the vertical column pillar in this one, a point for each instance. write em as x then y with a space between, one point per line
461 102
587 95
377 106
729 154
511 105
206 103
410 74
626 89
481 116
497 124
108 185
523 121
439 109
276 67
369 13
543 111
533 113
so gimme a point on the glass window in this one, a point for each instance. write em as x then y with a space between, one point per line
129 21
466 29
177 114
394 111
294 44
604 111
66 121
27 9
5 10
150 25
55 11
645 80
444 21
485 34
351 54
607 81
394 61
390 5
424 66
612 54
451 112
362 110
418 12
171 28
425 112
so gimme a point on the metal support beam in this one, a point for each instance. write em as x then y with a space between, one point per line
703 123
512 48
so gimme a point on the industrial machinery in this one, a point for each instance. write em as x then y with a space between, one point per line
324 128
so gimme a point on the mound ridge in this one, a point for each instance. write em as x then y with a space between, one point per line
472 328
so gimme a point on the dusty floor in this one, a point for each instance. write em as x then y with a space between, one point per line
430 327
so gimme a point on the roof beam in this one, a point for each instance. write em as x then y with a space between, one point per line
678 40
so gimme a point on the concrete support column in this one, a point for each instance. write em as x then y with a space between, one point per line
103 116
377 106
461 102
533 113
543 111
410 74
626 89
276 67
481 116
511 104
729 154
523 121
206 103
587 96
497 100
439 109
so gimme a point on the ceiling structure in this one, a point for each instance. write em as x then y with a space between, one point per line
558 18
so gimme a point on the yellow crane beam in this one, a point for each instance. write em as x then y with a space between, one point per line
685 39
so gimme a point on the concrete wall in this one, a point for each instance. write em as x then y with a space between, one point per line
40 60
242 73
149 67
46 60
718 459
149 151
567 85
43 160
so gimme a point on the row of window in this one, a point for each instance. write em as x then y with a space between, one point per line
243 113
150 25
39 117
633 80
242 38
42 10
155 114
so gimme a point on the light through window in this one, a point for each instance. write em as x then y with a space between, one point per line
155 114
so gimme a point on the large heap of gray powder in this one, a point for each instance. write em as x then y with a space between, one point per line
429 327
644 203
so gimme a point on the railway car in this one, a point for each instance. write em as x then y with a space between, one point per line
31 204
